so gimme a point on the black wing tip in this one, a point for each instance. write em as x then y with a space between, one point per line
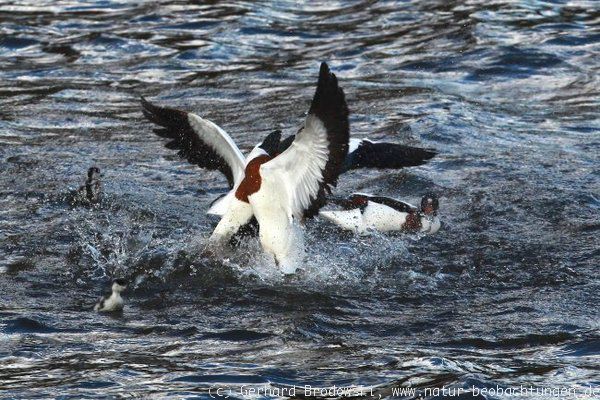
150 111
325 72
329 101
146 105
388 155
429 153
421 156
163 116
327 84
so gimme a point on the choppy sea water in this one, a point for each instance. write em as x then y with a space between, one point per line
505 296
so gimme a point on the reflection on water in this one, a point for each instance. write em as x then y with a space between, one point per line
505 294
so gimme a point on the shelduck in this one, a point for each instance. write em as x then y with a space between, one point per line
364 212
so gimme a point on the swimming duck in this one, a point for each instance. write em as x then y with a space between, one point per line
91 191
114 301
276 189
364 212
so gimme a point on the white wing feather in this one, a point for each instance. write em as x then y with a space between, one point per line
216 137
297 172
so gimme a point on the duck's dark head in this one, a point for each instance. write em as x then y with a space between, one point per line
93 173
430 204
119 285
271 143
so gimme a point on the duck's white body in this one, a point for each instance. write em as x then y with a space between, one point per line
374 217
380 217
279 234
236 214
114 302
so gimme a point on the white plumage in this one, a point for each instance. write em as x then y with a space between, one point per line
220 142
113 302
365 213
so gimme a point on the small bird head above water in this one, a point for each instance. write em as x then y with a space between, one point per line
430 204
119 285
93 173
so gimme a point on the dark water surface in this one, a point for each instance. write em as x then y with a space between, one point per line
506 294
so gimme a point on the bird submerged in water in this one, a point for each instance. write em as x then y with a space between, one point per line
114 301
91 191
364 212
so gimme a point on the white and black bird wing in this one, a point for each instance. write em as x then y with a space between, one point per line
303 174
364 153
199 140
